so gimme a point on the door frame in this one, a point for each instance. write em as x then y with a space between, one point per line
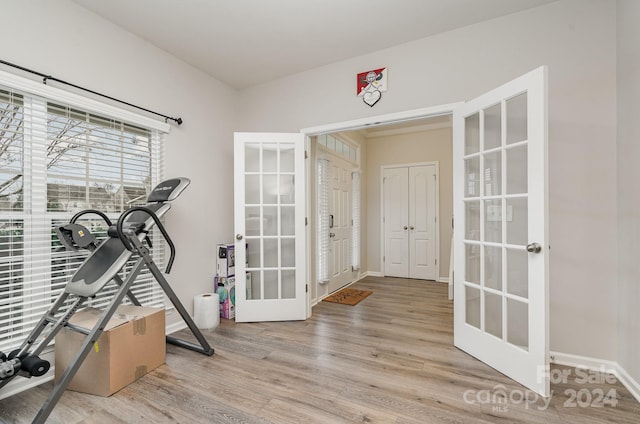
356 124
437 227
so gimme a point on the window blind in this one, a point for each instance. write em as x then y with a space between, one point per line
323 221
57 159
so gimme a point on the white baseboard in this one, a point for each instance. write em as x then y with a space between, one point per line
175 326
443 280
601 365
373 274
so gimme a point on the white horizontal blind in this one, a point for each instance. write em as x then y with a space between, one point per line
355 224
323 221
56 160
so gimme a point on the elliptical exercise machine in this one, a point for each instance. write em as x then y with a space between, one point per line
107 258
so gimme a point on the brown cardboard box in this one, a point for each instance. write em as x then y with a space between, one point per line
132 344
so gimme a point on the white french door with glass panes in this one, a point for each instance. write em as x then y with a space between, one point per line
269 212
501 242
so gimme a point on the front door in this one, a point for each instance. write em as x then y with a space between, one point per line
501 243
269 214
340 228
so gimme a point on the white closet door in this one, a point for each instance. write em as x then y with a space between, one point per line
422 222
396 225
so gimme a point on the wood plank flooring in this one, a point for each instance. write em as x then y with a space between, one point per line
389 359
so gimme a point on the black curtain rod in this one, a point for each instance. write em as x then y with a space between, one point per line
46 78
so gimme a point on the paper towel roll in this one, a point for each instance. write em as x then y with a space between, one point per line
206 310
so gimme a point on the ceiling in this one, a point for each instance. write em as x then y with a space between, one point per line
248 42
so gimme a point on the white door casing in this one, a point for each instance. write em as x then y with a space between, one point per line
501 235
269 215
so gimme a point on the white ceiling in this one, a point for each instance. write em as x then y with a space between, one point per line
247 42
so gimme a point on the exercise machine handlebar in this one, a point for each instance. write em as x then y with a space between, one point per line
88 211
123 237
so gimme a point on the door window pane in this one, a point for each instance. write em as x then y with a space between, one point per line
288 246
517 118
252 189
493 127
271 284
252 220
256 290
517 170
270 158
518 272
270 189
493 174
517 221
493 267
472 220
472 263
270 220
472 177
288 284
287 163
472 134
270 252
287 220
252 158
287 189
493 314
493 221
472 309
518 323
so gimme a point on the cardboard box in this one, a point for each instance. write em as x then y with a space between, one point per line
226 260
226 289
132 344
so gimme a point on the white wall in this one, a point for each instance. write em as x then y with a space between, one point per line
64 40
628 193
577 40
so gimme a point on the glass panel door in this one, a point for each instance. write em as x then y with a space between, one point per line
501 296
269 227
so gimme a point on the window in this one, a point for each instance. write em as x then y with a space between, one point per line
60 154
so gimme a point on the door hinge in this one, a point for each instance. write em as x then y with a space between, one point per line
436 262
306 221
306 154
384 259
306 288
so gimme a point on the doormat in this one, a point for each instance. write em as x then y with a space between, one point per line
348 296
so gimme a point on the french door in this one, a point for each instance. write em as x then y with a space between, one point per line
501 236
269 216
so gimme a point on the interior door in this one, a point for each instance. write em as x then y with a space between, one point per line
422 222
396 222
269 212
501 243
340 223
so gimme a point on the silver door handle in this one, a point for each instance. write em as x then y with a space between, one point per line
412 227
405 227
332 234
238 236
534 248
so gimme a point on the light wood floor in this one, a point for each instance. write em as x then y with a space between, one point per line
389 359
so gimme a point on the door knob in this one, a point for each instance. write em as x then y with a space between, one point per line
332 234
405 227
412 227
238 236
534 248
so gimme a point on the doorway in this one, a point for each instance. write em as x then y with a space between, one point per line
424 140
